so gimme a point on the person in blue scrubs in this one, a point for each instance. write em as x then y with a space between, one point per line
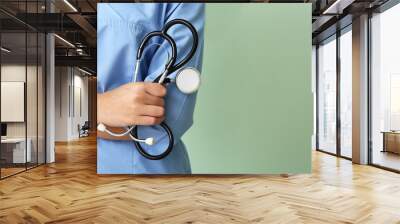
121 28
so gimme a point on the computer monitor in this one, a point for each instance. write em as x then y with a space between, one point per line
3 129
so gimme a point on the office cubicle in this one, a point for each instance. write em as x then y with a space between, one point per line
22 77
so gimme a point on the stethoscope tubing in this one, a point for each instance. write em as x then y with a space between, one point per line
169 68
147 155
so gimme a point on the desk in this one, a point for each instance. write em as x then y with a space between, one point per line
13 150
391 141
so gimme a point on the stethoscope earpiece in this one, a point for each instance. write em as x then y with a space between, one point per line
188 80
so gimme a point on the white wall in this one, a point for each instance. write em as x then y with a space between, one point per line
12 101
61 103
33 126
71 102
80 110
14 73
17 73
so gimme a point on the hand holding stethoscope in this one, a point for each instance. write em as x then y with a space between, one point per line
187 80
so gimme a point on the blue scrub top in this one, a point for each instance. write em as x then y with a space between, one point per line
120 29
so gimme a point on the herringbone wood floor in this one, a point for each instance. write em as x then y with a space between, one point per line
70 191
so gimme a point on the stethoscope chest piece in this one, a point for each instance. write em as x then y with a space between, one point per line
188 80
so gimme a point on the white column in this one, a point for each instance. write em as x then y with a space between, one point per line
50 99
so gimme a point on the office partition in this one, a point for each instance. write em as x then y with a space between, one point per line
22 77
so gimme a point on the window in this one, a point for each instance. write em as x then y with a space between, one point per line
385 89
327 96
346 93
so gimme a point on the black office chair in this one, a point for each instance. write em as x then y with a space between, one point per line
84 130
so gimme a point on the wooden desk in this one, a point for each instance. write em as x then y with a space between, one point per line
391 141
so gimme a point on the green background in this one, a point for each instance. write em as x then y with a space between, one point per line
254 108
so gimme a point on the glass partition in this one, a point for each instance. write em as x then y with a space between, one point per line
41 96
22 77
327 96
31 100
13 95
35 89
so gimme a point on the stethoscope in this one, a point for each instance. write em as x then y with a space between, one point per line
187 81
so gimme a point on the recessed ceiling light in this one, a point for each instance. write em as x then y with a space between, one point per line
70 5
65 41
337 7
84 71
5 50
